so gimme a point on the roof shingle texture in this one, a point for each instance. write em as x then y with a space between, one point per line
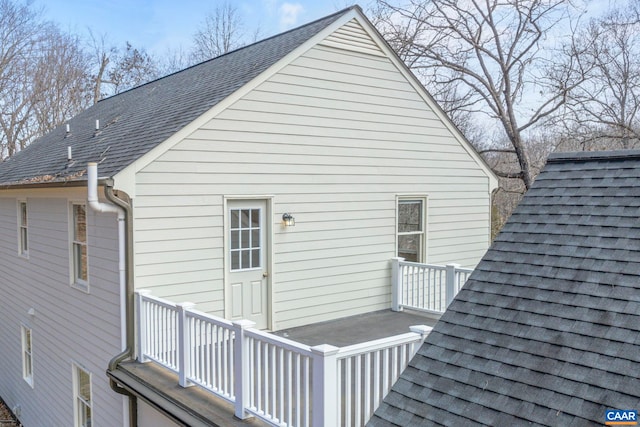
134 122
547 329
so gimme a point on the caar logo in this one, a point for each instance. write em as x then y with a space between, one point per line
620 417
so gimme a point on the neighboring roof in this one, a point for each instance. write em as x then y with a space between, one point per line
134 122
547 329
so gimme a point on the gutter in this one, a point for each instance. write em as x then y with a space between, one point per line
121 205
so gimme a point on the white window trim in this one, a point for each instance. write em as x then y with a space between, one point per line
241 250
27 356
423 246
21 244
77 283
77 399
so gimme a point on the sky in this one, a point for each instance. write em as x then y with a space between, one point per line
158 25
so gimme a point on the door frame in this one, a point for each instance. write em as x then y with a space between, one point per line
268 223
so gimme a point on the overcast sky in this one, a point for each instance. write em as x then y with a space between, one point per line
160 24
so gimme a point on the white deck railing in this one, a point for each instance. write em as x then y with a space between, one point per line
425 287
278 380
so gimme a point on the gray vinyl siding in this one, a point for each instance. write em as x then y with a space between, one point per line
69 325
334 137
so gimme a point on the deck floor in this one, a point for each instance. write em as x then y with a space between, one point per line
357 329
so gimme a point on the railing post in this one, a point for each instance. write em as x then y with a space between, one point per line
396 284
325 385
241 367
423 330
141 321
450 279
184 343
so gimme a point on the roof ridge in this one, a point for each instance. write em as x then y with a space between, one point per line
561 157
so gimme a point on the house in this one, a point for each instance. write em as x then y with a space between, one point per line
273 183
546 330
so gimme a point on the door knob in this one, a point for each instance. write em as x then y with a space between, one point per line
265 275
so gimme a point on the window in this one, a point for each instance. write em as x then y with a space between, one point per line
23 243
245 239
411 229
27 356
79 244
82 397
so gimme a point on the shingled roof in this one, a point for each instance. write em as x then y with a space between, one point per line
134 122
547 329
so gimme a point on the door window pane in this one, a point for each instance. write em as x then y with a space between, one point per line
235 260
235 239
246 259
245 242
244 217
245 245
235 218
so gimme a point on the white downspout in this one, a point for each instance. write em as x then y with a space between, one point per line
96 205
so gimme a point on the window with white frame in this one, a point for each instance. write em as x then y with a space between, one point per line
82 397
79 244
245 239
411 229
27 355
23 241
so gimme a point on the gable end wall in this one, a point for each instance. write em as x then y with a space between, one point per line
335 136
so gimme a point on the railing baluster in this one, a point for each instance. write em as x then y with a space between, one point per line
289 368
306 390
297 394
281 376
366 391
274 380
376 380
348 393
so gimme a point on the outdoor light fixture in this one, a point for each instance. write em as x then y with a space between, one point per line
288 220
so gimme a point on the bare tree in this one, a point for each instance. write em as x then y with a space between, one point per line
42 76
172 60
496 54
222 31
60 81
132 67
604 111
115 70
19 29
101 56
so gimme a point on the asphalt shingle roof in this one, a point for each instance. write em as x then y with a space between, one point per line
134 122
547 329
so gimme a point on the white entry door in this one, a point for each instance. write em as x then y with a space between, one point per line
246 255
